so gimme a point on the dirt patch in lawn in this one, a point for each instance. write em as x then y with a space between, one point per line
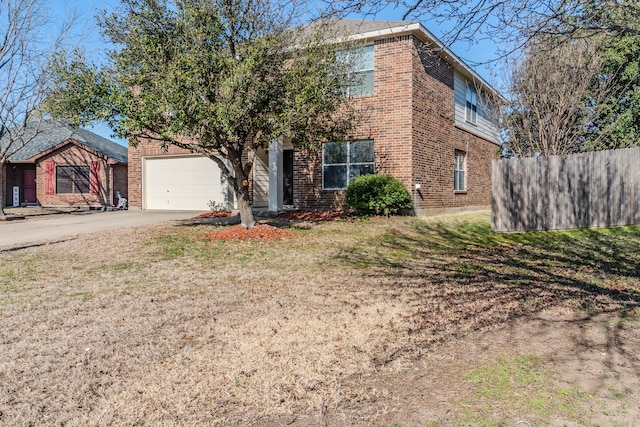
371 323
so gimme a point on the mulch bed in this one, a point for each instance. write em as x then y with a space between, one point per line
260 232
265 232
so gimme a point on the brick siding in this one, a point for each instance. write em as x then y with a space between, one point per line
410 117
435 139
120 181
73 155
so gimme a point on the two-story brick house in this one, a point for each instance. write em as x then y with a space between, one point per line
426 124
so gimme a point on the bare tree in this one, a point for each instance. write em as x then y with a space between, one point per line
557 93
28 40
511 23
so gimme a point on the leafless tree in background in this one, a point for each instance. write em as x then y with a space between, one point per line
511 23
28 39
557 92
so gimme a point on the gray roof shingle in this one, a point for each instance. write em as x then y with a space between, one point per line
50 134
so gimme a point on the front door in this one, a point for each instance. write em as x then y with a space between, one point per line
29 186
287 176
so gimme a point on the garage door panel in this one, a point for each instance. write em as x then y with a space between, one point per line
182 183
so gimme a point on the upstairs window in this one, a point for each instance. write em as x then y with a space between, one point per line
360 76
459 171
343 161
472 105
72 179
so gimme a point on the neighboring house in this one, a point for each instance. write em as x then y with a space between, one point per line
428 125
65 166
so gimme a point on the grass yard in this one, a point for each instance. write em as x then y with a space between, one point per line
379 322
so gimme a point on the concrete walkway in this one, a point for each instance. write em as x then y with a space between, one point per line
24 233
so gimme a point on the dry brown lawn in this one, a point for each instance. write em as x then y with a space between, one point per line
398 321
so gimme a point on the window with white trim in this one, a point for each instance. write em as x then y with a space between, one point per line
360 78
472 105
459 171
343 161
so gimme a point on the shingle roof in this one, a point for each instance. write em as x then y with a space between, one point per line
50 134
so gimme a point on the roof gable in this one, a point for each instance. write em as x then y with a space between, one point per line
47 135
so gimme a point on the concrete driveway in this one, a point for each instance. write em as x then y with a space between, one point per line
23 233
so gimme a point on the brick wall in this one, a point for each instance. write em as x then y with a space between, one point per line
387 121
120 181
435 139
410 117
73 155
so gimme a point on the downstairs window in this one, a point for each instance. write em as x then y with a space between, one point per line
343 161
72 179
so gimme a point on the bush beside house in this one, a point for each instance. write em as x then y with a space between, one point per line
378 194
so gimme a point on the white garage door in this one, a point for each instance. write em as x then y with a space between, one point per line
181 183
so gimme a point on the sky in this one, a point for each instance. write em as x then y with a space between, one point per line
87 34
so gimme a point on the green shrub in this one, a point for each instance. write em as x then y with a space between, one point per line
379 194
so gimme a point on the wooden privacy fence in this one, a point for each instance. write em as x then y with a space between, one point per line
594 189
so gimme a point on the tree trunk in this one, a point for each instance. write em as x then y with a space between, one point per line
245 206
238 175
241 189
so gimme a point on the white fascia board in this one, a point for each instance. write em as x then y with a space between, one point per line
382 34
